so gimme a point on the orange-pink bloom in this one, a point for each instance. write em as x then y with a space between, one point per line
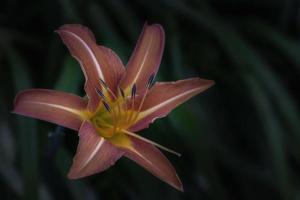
119 102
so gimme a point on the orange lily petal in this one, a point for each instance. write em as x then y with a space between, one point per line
145 59
53 106
165 96
97 62
94 153
149 157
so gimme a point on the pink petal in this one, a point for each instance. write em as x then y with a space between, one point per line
154 161
165 96
52 106
94 153
97 62
145 59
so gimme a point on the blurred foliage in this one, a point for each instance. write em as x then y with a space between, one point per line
239 140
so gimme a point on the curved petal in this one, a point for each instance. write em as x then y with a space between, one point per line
94 153
165 96
53 106
97 62
149 157
145 59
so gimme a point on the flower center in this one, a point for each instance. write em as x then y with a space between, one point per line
115 112
118 113
109 123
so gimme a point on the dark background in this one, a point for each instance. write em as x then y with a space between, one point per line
239 140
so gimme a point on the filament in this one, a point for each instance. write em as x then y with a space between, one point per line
133 93
149 85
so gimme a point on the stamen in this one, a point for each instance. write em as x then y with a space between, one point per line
114 113
107 107
105 86
151 80
115 122
149 85
107 89
114 117
100 93
133 91
124 102
103 83
151 142
122 93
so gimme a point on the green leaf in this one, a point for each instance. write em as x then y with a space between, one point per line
26 129
70 77
275 136
287 46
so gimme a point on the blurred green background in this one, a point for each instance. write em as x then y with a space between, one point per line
239 140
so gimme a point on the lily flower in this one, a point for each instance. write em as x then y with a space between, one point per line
118 103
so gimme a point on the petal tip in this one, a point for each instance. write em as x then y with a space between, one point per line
180 188
210 83
18 98
177 185
155 29
72 176
157 26
159 29
68 26
204 83
75 28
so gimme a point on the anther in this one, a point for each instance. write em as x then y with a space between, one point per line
107 89
122 93
149 85
107 107
151 80
133 91
100 94
103 83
